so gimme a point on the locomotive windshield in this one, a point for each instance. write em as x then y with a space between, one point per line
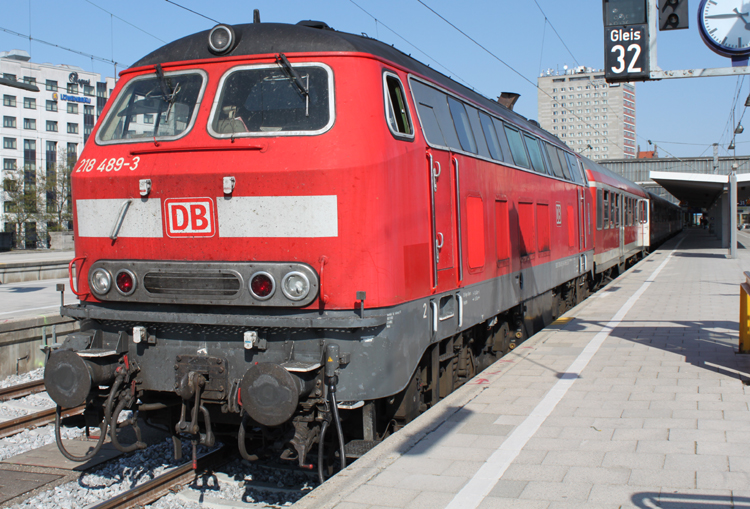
152 108
267 100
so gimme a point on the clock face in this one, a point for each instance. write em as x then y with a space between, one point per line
725 26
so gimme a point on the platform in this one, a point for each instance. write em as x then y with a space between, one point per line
33 265
634 398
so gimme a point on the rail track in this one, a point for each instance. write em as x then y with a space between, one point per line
21 390
32 420
13 426
159 486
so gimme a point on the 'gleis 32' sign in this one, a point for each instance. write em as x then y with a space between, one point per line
626 53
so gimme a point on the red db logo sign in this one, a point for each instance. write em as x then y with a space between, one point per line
190 217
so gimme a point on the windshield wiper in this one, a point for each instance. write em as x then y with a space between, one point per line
295 78
167 93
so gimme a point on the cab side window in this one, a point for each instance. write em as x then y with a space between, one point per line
396 108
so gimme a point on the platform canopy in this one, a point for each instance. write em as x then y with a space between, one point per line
700 189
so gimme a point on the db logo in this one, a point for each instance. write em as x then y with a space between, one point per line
189 217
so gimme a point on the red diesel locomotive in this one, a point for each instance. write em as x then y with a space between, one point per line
281 227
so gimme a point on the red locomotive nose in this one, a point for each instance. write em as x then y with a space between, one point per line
262 285
125 282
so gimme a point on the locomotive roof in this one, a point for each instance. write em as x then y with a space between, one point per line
310 37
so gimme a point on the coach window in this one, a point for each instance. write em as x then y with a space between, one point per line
535 154
173 100
491 136
432 107
616 205
463 128
554 160
575 169
396 108
517 149
605 216
476 128
599 209
563 164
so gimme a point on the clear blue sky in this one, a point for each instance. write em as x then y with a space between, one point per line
683 117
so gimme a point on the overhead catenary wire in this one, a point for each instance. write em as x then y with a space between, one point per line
191 10
378 21
126 21
510 67
93 57
546 19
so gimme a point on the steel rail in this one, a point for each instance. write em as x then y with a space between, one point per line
159 486
21 390
34 420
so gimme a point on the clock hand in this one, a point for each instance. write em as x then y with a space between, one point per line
725 16
741 15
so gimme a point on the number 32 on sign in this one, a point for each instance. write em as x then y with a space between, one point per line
626 53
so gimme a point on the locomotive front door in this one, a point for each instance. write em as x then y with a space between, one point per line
442 204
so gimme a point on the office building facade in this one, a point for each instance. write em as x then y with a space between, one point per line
40 127
593 117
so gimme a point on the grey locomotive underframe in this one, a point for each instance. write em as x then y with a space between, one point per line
379 348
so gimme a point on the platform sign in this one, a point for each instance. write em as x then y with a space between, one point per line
626 53
625 40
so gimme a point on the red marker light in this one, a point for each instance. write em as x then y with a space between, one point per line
262 285
125 282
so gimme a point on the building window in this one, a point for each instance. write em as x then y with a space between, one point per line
8 76
29 123
9 143
72 153
9 121
29 155
52 126
9 164
29 80
72 128
9 100
72 108
88 90
51 86
72 88
51 106
29 103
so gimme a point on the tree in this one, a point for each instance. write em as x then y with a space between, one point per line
57 192
23 202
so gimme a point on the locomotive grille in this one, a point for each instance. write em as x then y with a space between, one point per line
195 284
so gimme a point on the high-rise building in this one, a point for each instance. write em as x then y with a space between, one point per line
592 117
47 110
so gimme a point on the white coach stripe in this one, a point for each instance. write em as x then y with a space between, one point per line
479 486
278 216
96 218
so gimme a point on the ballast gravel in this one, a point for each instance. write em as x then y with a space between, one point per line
115 477
31 376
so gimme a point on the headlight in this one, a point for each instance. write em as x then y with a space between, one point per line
100 281
295 286
262 285
221 39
